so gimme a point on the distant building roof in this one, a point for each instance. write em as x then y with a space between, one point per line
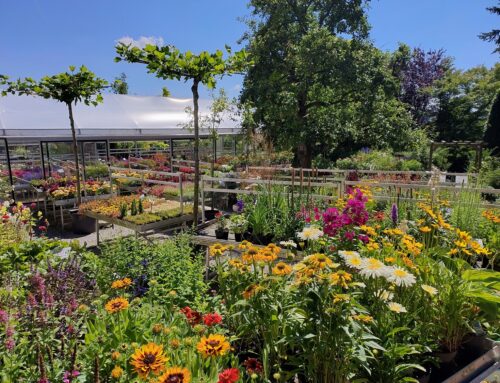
119 117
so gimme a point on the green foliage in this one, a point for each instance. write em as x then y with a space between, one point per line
120 85
492 133
465 99
378 160
97 170
314 91
143 219
158 268
133 208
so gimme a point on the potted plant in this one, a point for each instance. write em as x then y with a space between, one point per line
221 231
238 224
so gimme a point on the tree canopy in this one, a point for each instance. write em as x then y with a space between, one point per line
317 83
67 87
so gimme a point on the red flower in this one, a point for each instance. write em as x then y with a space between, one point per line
253 366
229 375
192 316
218 214
42 228
212 319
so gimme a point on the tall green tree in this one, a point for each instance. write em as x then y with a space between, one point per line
169 63
464 99
493 35
316 81
67 87
492 134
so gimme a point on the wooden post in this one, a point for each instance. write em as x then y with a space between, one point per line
181 198
431 153
202 183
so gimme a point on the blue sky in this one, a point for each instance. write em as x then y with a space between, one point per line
39 37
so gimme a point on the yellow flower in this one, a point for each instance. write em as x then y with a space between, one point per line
213 345
238 264
341 298
251 255
390 259
251 290
363 318
266 255
149 359
425 229
216 250
368 230
175 375
341 278
396 307
282 268
372 246
429 289
319 261
121 283
117 372
275 249
453 251
116 304
244 245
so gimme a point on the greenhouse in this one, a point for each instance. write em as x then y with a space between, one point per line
314 198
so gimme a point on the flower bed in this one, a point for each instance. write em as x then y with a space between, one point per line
355 292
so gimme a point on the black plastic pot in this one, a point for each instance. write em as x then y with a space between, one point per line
210 214
82 224
262 239
221 234
238 237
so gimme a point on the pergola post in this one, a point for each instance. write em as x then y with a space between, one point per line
431 153
43 161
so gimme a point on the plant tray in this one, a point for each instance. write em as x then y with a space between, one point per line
153 226
72 201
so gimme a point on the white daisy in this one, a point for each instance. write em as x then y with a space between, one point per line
310 233
396 307
288 244
399 276
372 268
355 261
384 295
429 289
345 254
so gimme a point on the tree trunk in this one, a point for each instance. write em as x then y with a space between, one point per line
75 153
303 151
196 154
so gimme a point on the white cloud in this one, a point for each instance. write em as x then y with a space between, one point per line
141 42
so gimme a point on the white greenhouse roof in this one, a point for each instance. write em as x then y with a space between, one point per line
119 117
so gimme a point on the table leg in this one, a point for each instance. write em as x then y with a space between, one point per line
97 232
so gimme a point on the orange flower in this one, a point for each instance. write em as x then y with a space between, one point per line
116 304
282 268
213 345
121 283
149 359
175 375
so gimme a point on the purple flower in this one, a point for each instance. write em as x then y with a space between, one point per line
394 214
240 204
10 344
4 317
349 235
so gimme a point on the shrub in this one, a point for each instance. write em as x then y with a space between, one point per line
156 269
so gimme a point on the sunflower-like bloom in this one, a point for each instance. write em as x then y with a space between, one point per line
117 372
213 345
149 359
121 283
282 268
267 255
217 250
175 375
341 278
116 304
319 261
275 249
252 254
251 290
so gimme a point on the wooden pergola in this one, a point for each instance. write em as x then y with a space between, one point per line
477 145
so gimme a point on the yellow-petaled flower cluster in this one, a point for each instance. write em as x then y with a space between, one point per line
411 245
253 254
490 215
121 283
217 250
466 245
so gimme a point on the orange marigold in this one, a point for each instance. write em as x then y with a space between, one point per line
116 304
